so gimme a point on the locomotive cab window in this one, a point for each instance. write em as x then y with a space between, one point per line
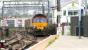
43 20
39 20
36 20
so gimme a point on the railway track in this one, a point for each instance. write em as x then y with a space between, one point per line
38 39
21 41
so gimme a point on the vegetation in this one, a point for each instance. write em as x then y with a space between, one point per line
51 41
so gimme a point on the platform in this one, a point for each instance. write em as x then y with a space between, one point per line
69 43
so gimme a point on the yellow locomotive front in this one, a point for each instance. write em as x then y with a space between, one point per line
39 21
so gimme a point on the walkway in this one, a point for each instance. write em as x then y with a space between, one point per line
69 43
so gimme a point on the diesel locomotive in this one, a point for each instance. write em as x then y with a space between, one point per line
41 25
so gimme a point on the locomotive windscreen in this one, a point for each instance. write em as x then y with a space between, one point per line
39 20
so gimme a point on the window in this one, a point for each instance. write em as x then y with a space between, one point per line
70 13
87 6
43 20
36 20
64 13
10 23
73 12
19 23
82 11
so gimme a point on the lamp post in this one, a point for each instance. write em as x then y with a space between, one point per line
85 7
79 20
53 8
2 37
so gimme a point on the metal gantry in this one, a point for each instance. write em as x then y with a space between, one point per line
15 8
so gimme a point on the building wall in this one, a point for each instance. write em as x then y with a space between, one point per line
74 26
85 25
17 22
67 13
68 9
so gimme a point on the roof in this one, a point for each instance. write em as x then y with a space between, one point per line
39 15
66 2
